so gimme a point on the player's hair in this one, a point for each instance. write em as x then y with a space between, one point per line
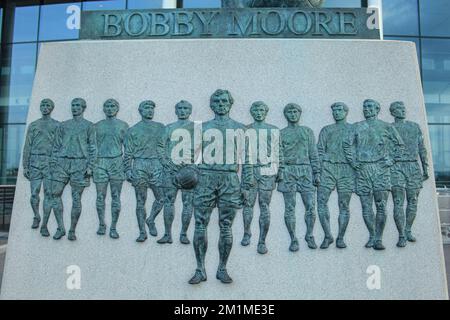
372 101
113 101
49 101
339 104
81 101
185 103
145 102
257 104
220 92
395 105
292 106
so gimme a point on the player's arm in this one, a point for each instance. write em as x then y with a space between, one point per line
314 158
348 147
128 154
27 152
423 154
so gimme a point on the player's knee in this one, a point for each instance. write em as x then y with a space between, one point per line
34 198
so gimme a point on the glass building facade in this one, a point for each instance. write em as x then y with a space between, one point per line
25 24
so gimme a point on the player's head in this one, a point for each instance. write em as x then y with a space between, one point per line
147 109
259 110
292 112
398 110
183 109
371 108
221 102
340 111
78 106
111 108
47 106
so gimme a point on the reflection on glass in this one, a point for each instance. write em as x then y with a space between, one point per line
434 17
57 21
436 70
144 4
400 17
342 4
202 3
17 81
14 136
26 23
440 145
104 5
415 40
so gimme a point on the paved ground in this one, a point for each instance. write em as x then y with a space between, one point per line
3 251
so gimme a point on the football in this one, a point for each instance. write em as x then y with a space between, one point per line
186 178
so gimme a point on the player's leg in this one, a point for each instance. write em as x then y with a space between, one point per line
309 201
368 216
344 217
202 216
186 215
398 196
157 206
381 198
77 192
323 195
116 205
226 217
247 215
35 186
412 197
170 194
101 187
48 204
265 196
289 218
57 190
141 198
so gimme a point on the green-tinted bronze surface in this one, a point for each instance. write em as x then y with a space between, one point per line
37 151
336 173
264 184
406 173
271 3
144 150
299 172
183 110
281 22
370 151
72 161
108 138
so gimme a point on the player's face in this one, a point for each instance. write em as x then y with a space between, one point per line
293 115
259 113
370 110
46 108
339 113
110 109
221 105
183 111
77 108
399 112
147 111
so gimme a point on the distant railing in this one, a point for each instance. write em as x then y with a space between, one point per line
6 205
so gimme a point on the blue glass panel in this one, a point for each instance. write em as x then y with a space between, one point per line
14 136
440 145
18 70
104 5
26 23
58 21
342 4
144 4
435 17
400 17
202 3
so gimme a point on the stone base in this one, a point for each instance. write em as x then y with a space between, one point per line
313 73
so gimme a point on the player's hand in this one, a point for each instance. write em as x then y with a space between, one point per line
389 163
26 173
88 172
316 181
129 175
425 176
245 196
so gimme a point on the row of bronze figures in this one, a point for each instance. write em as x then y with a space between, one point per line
371 158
